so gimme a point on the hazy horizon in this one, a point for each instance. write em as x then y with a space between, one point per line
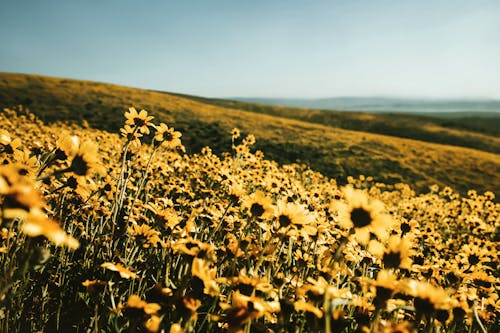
270 49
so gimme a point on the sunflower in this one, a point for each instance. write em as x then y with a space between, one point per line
66 145
135 307
176 328
28 162
304 306
194 248
153 324
140 120
427 298
7 144
86 160
131 134
362 215
398 253
167 136
291 214
19 191
473 257
94 286
243 309
144 235
235 133
258 205
201 269
135 302
385 286
124 272
247 285
38 224
404 327
165 217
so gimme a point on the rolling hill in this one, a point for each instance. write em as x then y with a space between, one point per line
392 148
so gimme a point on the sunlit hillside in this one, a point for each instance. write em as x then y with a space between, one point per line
107 232
335 152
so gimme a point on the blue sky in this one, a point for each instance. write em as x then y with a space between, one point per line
264 48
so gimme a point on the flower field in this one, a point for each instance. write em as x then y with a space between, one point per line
104 232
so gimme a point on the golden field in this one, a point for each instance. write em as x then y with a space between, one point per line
132 232
338 144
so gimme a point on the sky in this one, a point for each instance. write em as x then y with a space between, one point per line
261 48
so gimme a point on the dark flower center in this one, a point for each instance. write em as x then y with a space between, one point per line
257 209
424 306
392 259
284 221
60 155
405 228
473 259
79 166
383 294
72 183
167 136
139 122
360 217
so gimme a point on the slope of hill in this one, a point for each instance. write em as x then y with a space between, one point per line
333 151
471 114
475 127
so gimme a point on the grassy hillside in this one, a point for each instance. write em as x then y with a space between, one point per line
333 151
474 131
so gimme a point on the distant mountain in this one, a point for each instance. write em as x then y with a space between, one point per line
441 107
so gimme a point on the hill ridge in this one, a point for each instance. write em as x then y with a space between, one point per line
336 152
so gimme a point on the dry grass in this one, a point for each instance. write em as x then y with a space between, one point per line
335 152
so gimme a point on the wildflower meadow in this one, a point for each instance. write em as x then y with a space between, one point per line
126 232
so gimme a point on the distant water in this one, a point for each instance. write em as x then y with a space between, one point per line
377 104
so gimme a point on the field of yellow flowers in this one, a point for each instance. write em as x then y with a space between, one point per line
103 232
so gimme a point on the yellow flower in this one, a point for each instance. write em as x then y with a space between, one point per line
194 248
249 140
153 323
139 120
398 253
145 235
7 144
427 298
148 308
258 205
27 162
247 285
176 328
66 146
385 286
243 309
191 306
124 272
301 305
38 224
94 286
167 136
291 214
362 215
131 134
20 193
85 161
235 133
201 269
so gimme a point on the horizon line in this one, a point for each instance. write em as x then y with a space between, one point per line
360 96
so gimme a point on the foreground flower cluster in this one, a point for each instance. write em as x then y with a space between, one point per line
127 233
